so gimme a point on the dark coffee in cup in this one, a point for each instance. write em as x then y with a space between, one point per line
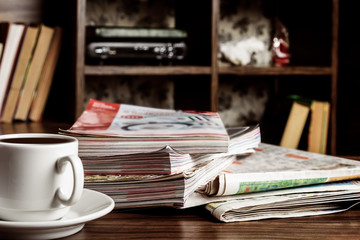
36 140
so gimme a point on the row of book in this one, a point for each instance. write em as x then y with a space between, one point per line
309 118
29 54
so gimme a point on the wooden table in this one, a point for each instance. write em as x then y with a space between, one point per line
197 223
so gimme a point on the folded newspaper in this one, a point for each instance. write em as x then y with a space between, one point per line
110 128
273 167
280 182
297 202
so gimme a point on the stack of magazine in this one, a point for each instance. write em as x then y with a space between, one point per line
144 157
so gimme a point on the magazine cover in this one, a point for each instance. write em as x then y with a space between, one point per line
112 119
127 129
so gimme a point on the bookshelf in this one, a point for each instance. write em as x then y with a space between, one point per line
209 19
51 14
203 68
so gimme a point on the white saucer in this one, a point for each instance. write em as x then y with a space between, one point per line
92 205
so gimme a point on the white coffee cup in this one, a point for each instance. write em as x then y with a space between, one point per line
41 176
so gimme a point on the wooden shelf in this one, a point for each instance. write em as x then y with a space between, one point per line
145 70
201 19
90 70
204 60
273 71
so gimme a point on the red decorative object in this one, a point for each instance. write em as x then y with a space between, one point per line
281 49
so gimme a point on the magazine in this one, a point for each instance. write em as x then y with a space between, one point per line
166 160
136 191
144 190
126 129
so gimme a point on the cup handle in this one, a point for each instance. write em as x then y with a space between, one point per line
78 173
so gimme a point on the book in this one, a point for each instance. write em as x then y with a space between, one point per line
19 74
13 34
319 125
34 72
46 77
112 128
1 49
295 125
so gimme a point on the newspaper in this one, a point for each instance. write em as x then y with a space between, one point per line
198 198
273 167
277 182
298 202
105 128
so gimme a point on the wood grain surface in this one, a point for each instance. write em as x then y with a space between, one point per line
197 223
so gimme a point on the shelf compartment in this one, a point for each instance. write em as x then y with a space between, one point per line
296 70
146 70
